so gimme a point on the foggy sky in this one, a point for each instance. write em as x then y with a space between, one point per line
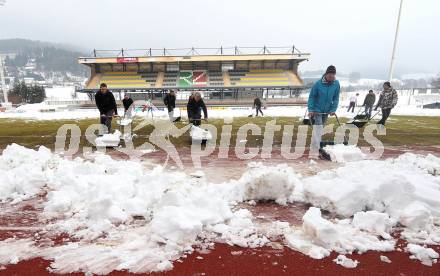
354 35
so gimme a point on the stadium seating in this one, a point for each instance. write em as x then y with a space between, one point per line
266 77
215 78
119 80
196 78
150 78
170 79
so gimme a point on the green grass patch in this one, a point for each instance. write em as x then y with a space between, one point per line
400 131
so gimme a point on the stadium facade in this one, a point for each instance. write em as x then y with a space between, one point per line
220 74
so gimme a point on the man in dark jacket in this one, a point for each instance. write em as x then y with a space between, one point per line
387 101
128 105
105 101
170 102
194 108
369 101
257 106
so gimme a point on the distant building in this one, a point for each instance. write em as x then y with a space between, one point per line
435 105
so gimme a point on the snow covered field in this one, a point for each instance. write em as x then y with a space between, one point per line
136 216
59 112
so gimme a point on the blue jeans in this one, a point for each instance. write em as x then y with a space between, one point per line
320 119
318 129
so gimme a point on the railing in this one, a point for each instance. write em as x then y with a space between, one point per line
235 50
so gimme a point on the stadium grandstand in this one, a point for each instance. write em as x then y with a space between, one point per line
222 75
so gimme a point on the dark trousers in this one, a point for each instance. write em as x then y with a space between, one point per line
170 111
385 114
351 106
106 119
258 109
196 119
368 110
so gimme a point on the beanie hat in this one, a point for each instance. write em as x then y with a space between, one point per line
331 69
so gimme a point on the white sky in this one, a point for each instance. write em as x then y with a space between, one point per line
354 35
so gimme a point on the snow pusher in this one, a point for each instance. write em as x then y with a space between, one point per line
112 140
109 140
175 119
361 119
322 152
199 135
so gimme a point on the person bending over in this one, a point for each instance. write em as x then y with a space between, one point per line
105 101
128 106
194 109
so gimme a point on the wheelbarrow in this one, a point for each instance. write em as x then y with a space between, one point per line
361 119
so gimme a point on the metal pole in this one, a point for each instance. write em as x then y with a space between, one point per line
393 56
2 81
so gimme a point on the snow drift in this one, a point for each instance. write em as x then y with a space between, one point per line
127 215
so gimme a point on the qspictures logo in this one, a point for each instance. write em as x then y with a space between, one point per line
221 142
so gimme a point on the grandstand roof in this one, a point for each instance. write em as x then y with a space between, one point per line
195 68
167 55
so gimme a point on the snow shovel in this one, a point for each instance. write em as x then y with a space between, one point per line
109 140
361 115
361 120
323 154
176 119
199 134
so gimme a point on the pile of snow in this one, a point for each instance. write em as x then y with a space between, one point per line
374 222
24 172
385 186
318 236
426 255
199 134
103 201
125 121
109 139
126 215
341 153
270 183
345 262
385 259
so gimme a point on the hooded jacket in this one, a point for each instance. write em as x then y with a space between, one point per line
388 98
324 96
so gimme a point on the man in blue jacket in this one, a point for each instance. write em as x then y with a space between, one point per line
323 101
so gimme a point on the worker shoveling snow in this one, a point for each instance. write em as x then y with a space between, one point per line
128 216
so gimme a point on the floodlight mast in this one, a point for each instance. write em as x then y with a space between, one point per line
2 80
393 56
